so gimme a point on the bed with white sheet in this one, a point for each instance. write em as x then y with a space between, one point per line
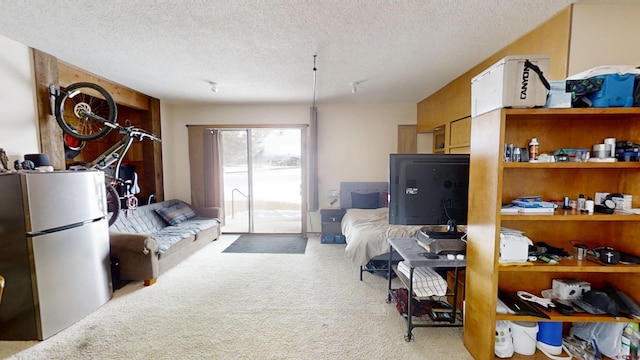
365 224
367 230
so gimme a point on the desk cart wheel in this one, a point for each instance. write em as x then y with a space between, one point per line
408 337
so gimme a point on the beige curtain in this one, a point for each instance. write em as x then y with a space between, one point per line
313 160
205 167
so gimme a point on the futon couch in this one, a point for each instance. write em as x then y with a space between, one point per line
153 238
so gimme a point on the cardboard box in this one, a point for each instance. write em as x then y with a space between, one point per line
508 83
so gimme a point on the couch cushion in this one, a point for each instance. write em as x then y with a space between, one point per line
170 235
139 221
176 214
142 220
146 220
200 223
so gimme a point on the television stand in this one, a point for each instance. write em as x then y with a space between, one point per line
411 252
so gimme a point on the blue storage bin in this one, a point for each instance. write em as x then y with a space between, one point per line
616 91
333 238
328 238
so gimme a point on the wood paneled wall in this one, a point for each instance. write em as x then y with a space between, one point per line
69 74
453 101
139 109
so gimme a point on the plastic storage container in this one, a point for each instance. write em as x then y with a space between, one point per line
524 335
616 91
550 337
508 83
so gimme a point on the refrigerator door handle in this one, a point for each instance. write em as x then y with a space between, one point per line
61 228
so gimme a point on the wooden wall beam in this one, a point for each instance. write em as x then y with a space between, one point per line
51 143
69 74
153 150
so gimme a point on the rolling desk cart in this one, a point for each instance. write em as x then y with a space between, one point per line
413 256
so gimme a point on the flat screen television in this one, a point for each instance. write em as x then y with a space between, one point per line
429 189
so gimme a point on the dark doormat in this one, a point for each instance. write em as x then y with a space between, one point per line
268 244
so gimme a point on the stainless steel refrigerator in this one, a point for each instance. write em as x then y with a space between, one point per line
54 251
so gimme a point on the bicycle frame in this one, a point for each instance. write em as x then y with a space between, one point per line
115 154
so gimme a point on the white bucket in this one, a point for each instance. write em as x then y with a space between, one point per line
524 335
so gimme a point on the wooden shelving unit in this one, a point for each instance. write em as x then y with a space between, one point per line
439 140
493 182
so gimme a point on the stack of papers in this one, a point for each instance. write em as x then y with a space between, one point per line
509 231
529 205
512 209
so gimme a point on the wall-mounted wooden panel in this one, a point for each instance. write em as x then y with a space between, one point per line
46 73
134 109
407 140
460 134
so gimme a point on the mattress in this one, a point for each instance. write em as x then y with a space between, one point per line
366 232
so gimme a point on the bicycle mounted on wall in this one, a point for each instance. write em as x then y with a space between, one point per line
86 111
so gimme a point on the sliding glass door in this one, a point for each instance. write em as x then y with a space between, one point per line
262 180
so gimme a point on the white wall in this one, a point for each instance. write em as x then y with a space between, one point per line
604 34
18 120
354 141
175 142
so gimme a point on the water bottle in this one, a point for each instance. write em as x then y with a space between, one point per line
516 155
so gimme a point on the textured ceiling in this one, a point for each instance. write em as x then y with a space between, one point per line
263 51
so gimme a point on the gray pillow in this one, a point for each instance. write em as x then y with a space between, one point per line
176 214
365 201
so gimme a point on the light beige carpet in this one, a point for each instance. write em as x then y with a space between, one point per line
218 305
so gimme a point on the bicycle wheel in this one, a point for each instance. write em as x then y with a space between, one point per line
82 109
113 204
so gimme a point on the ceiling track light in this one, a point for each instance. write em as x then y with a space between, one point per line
214 86
354 86
315 78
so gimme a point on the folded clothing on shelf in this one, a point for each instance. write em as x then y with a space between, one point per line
426 282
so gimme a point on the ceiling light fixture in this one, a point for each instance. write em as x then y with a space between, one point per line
214 86
354 86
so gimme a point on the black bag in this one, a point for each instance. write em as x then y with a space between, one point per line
379 265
